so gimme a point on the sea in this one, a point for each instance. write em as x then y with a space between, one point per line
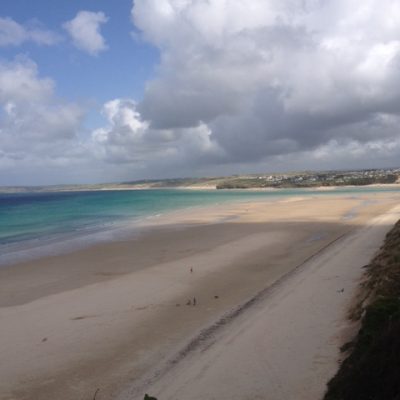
45 223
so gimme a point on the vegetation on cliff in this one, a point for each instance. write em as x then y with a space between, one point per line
372 369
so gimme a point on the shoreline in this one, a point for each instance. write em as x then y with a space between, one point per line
68 242
131 290
194 187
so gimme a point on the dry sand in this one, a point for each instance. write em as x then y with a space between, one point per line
114 316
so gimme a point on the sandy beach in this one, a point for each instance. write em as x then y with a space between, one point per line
269 315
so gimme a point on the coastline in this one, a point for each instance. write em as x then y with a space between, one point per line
132 226
69 241
192 187
106 316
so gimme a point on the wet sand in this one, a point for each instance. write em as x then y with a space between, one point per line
112 315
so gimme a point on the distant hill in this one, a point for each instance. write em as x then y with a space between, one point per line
304 179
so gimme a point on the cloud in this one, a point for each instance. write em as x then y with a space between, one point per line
14 34
34 124
275 78
129 140
241 87
84 30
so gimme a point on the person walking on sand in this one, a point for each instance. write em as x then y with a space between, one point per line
194 301
191 270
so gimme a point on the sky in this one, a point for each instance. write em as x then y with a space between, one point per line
108 91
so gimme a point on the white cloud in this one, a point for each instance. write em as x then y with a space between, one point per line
273 78
241 86
85 31
34 124
14 34
19 82
129 140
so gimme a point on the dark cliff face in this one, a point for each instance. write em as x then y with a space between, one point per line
372 369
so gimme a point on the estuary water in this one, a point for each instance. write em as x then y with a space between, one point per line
30 220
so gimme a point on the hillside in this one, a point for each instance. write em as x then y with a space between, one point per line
306 179
372 368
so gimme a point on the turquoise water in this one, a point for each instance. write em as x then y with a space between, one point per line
38 217
35 215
